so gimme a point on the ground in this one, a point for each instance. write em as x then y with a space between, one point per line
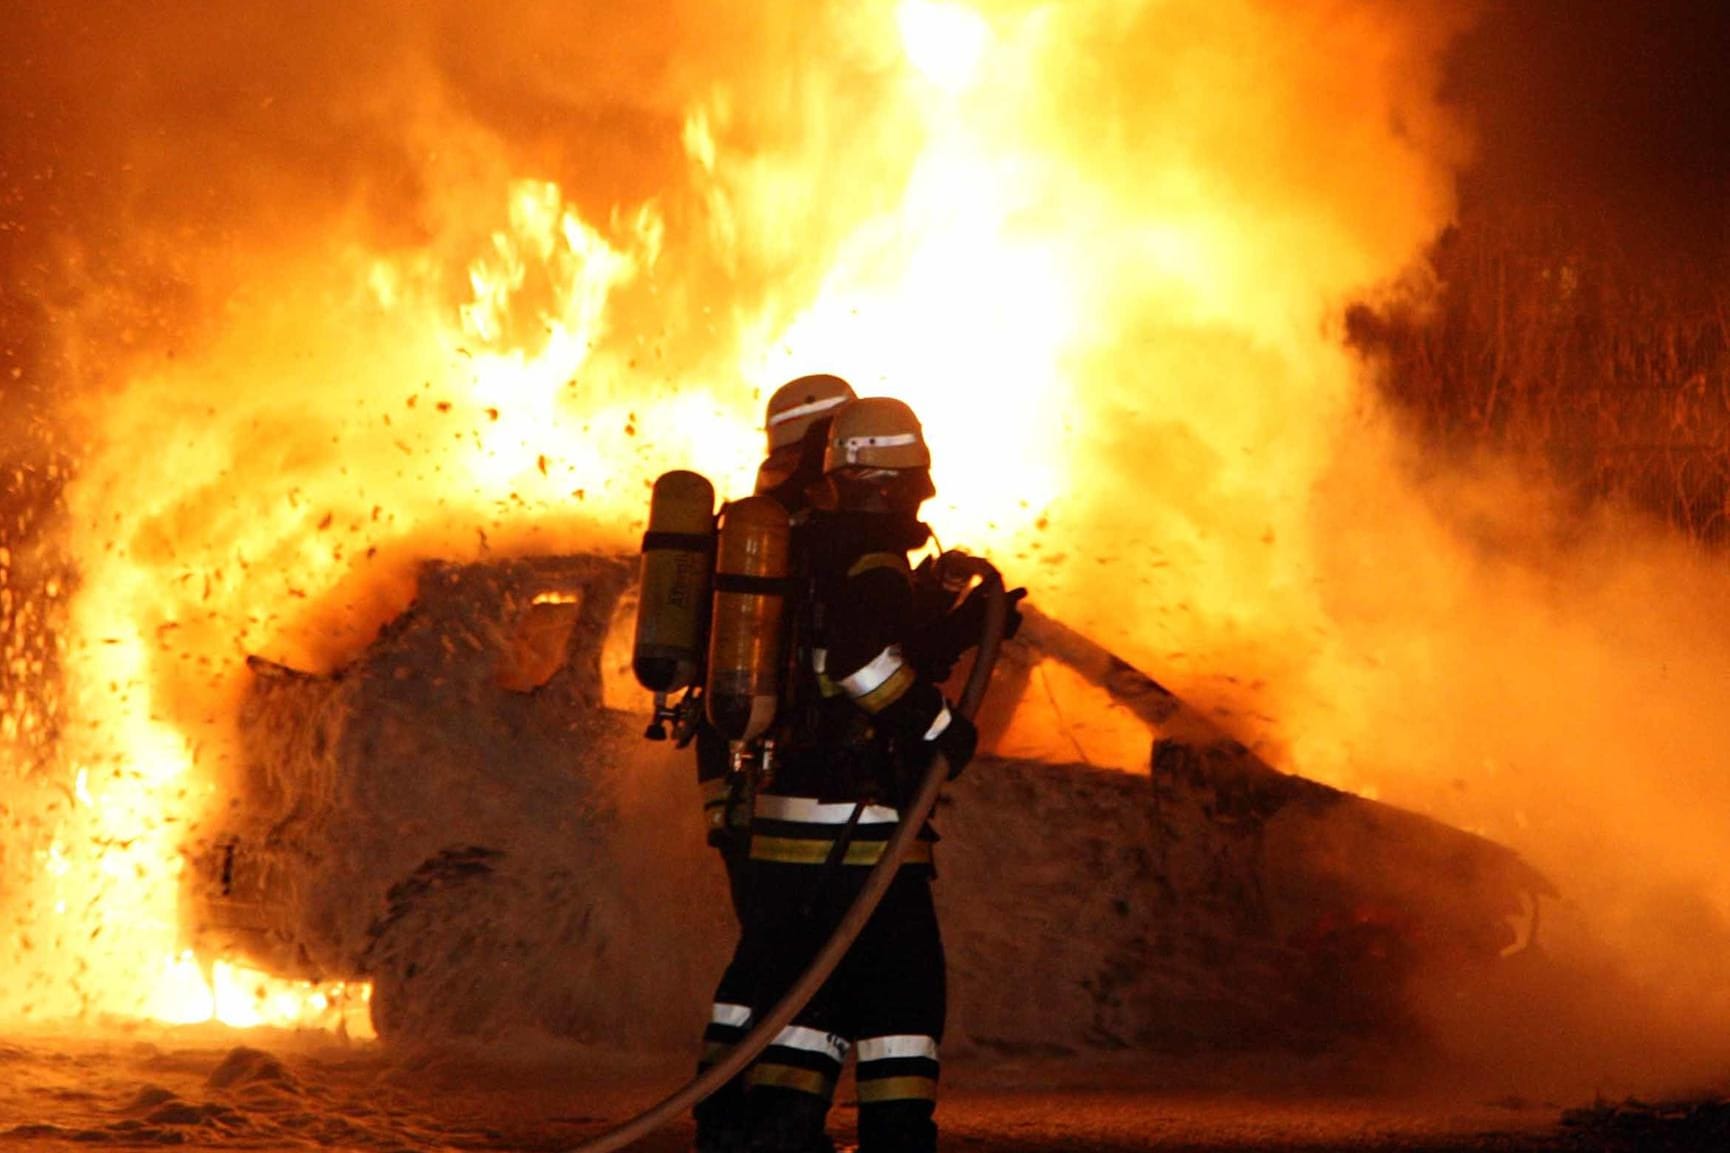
213 1089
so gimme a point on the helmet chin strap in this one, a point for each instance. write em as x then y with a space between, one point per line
867 500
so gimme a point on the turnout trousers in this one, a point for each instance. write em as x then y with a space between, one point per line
885 1003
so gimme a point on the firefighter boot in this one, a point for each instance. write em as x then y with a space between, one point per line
897 1127
722 1122
787 1122
716 1138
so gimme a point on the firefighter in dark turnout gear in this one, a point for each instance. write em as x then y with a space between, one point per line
796 423
857 727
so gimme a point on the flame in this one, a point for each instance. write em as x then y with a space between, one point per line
515 379
945 42
245 998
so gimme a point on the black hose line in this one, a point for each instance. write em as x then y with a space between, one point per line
913 819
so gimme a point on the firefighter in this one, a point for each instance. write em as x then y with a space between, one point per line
856 728
796 422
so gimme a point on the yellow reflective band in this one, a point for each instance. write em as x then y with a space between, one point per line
898 1089
789 1077
893 688
873 560
800 851
714 801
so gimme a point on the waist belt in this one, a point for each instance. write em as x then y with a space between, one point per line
815 851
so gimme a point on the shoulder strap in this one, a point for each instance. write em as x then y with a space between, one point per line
876 560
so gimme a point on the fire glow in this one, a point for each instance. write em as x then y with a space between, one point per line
516 386
1102 249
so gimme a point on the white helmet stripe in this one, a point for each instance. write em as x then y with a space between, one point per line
853 444
810 409
888 440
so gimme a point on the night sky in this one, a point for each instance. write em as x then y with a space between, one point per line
1617 105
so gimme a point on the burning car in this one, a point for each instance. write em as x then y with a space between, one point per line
466 818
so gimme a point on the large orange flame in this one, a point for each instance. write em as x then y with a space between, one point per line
1014 255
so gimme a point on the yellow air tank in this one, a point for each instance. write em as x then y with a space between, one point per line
745 630
673 593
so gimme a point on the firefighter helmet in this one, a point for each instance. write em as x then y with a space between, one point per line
799 404
877 432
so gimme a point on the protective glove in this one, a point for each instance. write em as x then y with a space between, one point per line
931 655
935 651
929 591
956 742
962 628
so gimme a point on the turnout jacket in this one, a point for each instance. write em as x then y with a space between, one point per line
858 721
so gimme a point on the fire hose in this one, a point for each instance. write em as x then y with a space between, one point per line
913 819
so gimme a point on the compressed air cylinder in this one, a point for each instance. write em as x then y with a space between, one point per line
745 629
673 593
